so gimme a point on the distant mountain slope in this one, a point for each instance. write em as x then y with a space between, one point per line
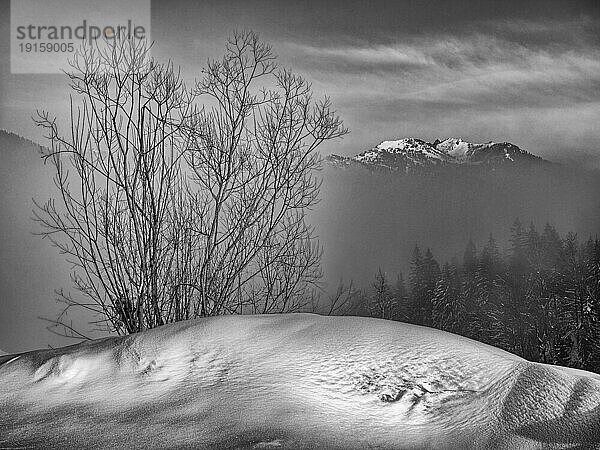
411 154
12 141
30 268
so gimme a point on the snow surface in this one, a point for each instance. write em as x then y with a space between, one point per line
456 147
292 381
411 150
412 145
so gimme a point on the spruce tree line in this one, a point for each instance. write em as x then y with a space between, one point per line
539 298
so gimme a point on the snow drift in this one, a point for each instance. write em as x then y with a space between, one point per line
292 381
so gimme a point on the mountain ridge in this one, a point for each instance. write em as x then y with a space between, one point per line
409 154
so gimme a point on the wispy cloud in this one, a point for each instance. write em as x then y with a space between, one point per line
531 82
462 70
362 56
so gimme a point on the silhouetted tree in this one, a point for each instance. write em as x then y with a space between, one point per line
176 203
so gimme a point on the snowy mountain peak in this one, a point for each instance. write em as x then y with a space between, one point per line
408 150
455 147
405 143
453 141
410 153
491 152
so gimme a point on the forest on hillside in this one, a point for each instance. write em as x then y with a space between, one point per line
368 219
539 298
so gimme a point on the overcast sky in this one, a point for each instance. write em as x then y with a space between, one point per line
525 72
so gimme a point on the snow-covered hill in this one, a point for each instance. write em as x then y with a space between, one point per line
411 154
292 381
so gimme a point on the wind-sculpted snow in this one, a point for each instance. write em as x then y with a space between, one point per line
292 381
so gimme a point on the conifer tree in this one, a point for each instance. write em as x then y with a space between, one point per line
448 308
402 312
430 276
470 258
382 301
518 240
417 288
